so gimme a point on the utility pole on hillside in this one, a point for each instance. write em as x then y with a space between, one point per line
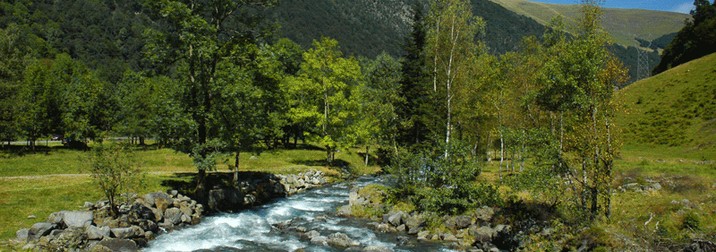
643 69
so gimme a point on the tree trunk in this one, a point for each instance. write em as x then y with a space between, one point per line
236 168
502 155
367 148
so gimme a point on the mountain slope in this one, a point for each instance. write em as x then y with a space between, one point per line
368 27
674 108
623 24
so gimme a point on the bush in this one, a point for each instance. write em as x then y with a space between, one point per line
114 170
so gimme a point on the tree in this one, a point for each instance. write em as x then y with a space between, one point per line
378 101
321 93
415 109
451 45
201 37
12 64
695 40
579 85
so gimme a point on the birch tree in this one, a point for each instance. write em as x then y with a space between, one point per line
452 46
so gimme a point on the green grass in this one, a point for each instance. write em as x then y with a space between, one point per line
622 24
53 180
676 108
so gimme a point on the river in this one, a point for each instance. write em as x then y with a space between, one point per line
253 229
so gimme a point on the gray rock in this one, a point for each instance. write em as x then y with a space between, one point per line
173 193
415 230
173 216
127 232
116 245
32 216
396 219
448 237
55 218
341 240
56 232
41 229
414 223
423 235
320 240
312 233
402 228
97 233
344 211
482 234
462 221
484 213
77 219
159 199
22 234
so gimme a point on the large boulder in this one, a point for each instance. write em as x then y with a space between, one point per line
462 221
97 233
41 229
173 216
483 233
22 234
396 218
116 245
484 214
341 240
414 223
159 199
77 219
127 232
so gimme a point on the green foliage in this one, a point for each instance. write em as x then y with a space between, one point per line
695 40
115 172
321 96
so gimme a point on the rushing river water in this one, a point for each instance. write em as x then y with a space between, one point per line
252 230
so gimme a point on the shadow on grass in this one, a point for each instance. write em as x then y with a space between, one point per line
186 182
338 163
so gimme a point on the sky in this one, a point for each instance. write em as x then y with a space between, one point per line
681 6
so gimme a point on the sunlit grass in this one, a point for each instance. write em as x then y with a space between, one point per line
49 181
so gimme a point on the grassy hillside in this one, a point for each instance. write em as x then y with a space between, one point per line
676 108
622 24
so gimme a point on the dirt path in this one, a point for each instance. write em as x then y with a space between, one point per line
75 175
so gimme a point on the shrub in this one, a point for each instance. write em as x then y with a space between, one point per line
114 170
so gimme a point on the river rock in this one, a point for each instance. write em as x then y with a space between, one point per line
127 232
344 211
117 245
395 219
341 240
483 233
484 213
77 219
462 221
414 223
97 233
22 234
55 218
41 229
173 216
449 237
423 235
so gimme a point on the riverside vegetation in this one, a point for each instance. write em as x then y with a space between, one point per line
518 151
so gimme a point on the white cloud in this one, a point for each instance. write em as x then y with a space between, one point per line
683 8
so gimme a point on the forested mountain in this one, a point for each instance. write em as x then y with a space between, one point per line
107 35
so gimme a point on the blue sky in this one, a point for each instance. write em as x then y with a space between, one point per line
682 6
